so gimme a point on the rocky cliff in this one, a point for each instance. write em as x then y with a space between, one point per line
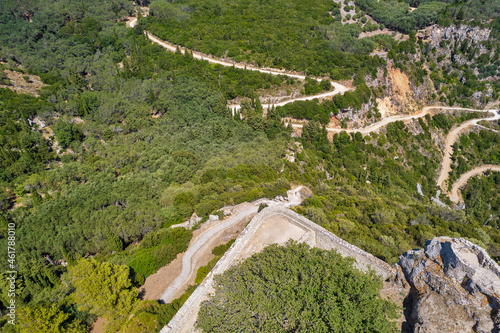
435 34
454 287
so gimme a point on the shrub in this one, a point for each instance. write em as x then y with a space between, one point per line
262 206
66 133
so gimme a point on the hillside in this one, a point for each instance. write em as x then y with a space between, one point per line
119 120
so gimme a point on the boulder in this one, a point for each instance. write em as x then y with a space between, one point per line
194 219
454 287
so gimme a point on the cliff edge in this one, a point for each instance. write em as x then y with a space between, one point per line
454 287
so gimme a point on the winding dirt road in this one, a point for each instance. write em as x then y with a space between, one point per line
187 259
376 126
337 87
200 56
450 140
455 194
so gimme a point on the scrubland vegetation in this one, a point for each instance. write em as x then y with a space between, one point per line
128 139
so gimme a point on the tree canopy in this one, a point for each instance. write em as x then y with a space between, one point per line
103 289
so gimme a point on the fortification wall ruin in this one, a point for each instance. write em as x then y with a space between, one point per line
313 234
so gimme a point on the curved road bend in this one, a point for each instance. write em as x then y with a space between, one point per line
450 140
376 126
455 194
182 278
338 88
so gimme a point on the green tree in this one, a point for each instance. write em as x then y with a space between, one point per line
66 133
36 198
325 85
47 320
103 289
295 288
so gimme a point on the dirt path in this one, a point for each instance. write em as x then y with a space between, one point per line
195 248
337 87
455 194
376 126
448 153
450 140
132 22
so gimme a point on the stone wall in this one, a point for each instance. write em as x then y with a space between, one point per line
184 320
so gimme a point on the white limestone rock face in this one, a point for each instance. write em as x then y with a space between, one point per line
455 287
193 220
212 218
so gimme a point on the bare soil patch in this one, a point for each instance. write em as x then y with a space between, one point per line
98 326
400 82
386 107
157 283
21 86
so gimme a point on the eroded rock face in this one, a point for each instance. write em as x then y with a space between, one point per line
455 287
460 33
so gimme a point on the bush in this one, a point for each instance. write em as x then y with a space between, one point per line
221 249
206 207
262 206
66 133
163 254
158 249
143 263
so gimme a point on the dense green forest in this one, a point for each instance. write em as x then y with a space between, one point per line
127 139
299 35
399 15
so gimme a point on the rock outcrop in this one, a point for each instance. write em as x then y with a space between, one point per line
454 287
460 33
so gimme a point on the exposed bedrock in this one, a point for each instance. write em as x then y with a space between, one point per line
454 287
